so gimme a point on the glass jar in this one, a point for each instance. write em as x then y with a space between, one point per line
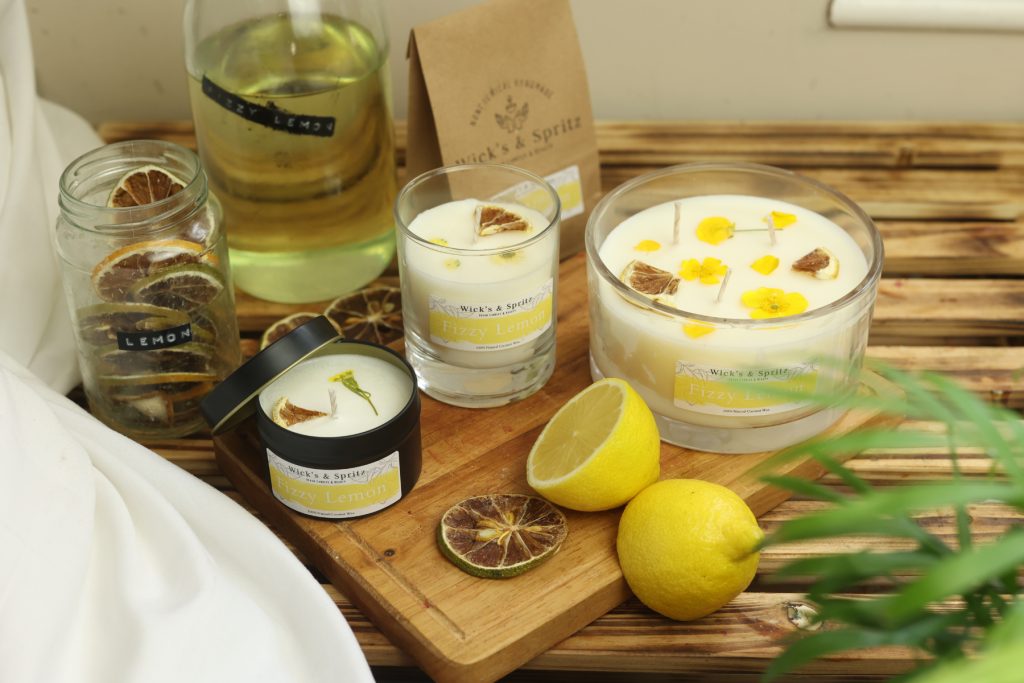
148 288
698 351
292 109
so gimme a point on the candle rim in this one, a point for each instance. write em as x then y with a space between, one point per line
458 168
870 279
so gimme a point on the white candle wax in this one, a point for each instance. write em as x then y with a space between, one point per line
478 310
682 367
309 385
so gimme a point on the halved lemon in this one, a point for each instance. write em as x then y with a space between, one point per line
598 451
114 276
501 535
144 185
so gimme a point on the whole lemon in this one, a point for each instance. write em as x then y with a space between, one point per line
686 547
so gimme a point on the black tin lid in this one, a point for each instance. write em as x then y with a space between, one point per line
237 397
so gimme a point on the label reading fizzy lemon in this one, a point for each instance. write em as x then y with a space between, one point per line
734 391
336 493
491 326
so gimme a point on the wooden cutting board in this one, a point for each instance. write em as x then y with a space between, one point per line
458 627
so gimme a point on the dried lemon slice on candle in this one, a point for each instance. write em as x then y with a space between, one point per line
490 220
143 186
646 279
501 535
821 263
286 413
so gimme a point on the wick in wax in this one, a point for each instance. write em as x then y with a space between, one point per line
721 289
771 228
334 402
675 223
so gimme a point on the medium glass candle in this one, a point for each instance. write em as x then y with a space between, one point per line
708 281
478 258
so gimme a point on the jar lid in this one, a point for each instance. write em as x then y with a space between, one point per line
237 397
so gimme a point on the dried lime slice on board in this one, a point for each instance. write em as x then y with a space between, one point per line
144 185
371 314
287 324
184 287
501 535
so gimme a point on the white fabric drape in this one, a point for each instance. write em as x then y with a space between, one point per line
116 566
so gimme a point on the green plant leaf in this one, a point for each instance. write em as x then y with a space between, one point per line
822 643
998 665
848 569
805 487
958 574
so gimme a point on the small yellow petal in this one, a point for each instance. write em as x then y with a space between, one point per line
766 265
794 303
648 245
696 330
690 270
715 230
782 220
439 241
452 263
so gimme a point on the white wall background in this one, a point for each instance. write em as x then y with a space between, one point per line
670 59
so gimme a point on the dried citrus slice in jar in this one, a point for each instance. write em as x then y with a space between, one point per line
371 314
189 357
144 185
114 276
184 287
501 535
99 324
287 324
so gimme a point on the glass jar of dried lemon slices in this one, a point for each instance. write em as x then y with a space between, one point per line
145 270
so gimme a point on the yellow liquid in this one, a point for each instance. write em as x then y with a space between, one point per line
307 217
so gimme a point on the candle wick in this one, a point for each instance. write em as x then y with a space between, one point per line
676 222
334 402
771 227
477 216
721 289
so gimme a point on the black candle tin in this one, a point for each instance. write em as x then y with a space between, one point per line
337 477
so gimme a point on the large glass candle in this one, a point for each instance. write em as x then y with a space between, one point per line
711 281
478 258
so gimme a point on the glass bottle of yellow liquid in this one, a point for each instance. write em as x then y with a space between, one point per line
292 107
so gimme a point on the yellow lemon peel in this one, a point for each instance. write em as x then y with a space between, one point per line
767 302
780 219
766 265
696 330
648 245
715 230
709 272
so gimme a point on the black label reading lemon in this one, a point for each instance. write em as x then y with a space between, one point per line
155 339
269 116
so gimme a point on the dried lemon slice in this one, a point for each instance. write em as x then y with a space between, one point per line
646 279
501 535
821 263
114 276
189 357
286 413
185 287
143 186
372 314
100 323
494 219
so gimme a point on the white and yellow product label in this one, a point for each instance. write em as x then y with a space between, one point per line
734 391
491 326
567 184
336 493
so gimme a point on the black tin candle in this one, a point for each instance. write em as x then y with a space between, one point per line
339 421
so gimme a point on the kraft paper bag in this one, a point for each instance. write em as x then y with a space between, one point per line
504 83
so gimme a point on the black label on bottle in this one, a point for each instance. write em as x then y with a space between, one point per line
155 339
269 115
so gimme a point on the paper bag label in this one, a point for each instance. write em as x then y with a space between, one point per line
269 116
491 326
714 391
336 493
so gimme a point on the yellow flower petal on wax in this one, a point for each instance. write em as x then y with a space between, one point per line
766 265
648 245
715 230
439 241
711 271
696 330
781 219
767 302
690 270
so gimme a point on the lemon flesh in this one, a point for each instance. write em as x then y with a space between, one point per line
598 451
686 547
